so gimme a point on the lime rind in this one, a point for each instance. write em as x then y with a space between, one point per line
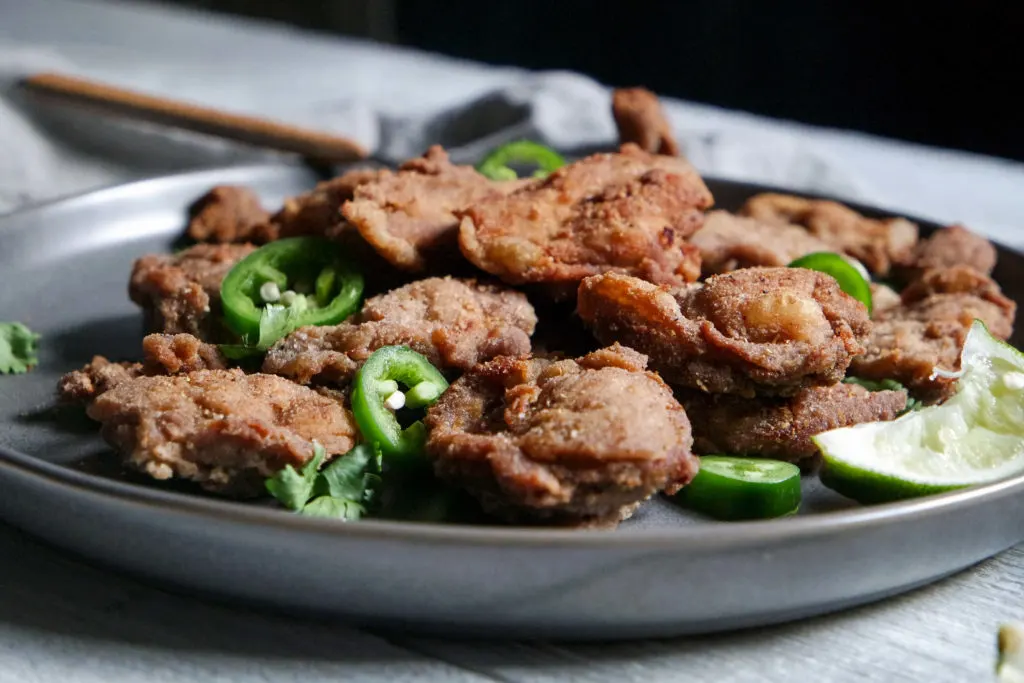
975 437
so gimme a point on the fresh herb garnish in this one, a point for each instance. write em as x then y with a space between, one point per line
342 490
276 321
18 348
885 385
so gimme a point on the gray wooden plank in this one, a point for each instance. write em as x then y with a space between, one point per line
946 632
61 620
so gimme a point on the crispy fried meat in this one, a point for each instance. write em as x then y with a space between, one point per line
223 429
728 242
781 428
454 323
629 212
757 330
640 120
877 243
181 292
575 442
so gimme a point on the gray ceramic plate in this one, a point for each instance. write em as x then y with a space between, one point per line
64 270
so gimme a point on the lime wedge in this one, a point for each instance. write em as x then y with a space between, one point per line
975 437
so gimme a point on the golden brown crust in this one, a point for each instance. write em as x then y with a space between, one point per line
180 293
877 243
628 212
228 213
94 378
575 442
639 119
223 429
407 216
728 242
781 428
948 248
928 329
757 330
454 323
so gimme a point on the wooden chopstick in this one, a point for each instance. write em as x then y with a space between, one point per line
312 144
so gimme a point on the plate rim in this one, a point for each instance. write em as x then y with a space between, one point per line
720 535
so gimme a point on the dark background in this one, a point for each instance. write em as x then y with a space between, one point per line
940 73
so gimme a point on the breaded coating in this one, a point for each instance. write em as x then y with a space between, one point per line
781 428
752 331
181 292
94 378
949 247
640 120
928 330
574 442
223 429
165 354
883 299
407 216
172 354
878 244
627 212
228 213
318 212
454 323
729 242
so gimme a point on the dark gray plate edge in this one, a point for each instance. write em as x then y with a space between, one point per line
723 535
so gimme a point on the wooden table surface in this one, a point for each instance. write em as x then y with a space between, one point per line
61 620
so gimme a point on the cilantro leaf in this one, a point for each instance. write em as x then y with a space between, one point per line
276 321
342 490
346 477
18 347
293 488
336 508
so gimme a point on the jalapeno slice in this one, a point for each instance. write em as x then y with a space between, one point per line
729 488
394 377
850 278
497 164
333 283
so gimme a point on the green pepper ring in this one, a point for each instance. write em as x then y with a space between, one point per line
496 164
272 263
377 423
845 273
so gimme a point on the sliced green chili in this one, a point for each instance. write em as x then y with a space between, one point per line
387 371
729 488
497 165
291 265
849 277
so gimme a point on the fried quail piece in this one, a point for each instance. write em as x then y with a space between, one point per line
318 212
878 244
728 242
454 323
928 329
574 442
172 354
223 429
628 212
639 119
407 216
883 299
781 428
948 248
94 378
752 331
180 293
165 354
228 213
